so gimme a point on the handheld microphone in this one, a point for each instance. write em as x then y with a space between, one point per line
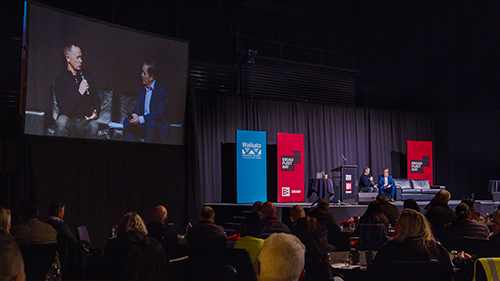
83 78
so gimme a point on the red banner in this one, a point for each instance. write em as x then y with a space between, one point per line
419 160
290 167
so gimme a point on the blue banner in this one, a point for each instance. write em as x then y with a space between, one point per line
251 166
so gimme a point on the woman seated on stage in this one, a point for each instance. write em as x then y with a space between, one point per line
399 258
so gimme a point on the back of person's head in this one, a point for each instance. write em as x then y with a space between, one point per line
146 261
159 214
28 209
268 209
462 211
207 213
374 214
5 219
257 206
381 198
324 204
55 208
473 213
414 225
282 258
297 212
309 232
496 222
410 203
443 196
131 222
11 260
255 223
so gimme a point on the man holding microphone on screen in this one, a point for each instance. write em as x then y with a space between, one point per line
79 104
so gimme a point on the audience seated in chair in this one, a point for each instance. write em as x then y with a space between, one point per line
252 236
162 232
317 264
389 210
146 261
464 226
32 230
11 260
439 213
373 214
414 242
111 265
330 228
410 203
282 258
273 225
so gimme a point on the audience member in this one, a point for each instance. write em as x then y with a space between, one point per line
413 242
473 213
386 185
146 261
317 264
11 260
374 214
282 258
439 212
56 215
272 223
32 230
257 206
5 219
162 232
252 236
330 228
366 183
410 203
297 213
206 228
130 230
389 210
463 226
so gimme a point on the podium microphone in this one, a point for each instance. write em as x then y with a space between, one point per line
83 78
345 160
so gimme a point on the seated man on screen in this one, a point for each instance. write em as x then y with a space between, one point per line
366 183
79 104
387 185
148 121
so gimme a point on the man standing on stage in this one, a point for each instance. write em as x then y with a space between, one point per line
148 121
79 104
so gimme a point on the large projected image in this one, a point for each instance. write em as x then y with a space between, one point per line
89 79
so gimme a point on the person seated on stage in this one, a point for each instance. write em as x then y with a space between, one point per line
413 242
272 223
297 213
317 264
330 227
439 213
366 183
386 185
111 265
162 232
252 240
146 261
11 259
463 226
5 219
32 230
389 210
410 203
282 258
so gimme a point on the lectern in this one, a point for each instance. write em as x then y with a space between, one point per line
347 175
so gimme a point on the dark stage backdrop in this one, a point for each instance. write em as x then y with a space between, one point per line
366 137
99 181
467 153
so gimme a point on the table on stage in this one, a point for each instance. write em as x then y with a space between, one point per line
322 187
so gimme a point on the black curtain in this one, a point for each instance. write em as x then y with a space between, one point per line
365 136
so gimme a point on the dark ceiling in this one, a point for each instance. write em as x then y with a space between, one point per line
410 55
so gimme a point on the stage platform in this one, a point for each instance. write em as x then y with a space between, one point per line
230 215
